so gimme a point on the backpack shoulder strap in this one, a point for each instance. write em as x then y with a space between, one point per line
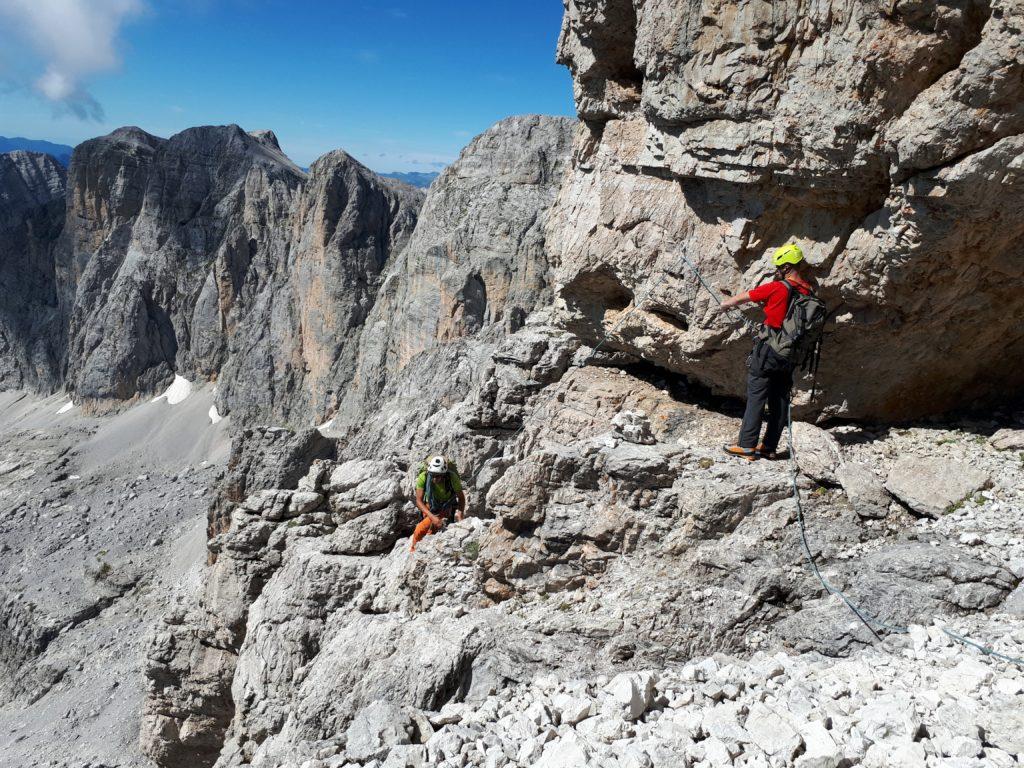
790 290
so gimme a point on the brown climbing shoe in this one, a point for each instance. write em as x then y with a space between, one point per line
763 454
743 453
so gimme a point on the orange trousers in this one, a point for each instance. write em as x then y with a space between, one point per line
427 527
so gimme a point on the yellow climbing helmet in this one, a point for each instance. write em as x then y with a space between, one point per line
787 254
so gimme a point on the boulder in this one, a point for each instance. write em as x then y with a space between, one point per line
361 486
820 749
368 534
817 452
864 490
890 717
773 733
1008 440
934 485
632 692
375 729
570 751
1014 603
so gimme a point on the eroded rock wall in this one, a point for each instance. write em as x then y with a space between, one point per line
31 217
150 221
885 140
208 255
475 267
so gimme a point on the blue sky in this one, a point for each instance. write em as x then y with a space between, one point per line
399 85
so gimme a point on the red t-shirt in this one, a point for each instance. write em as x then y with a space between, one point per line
775 298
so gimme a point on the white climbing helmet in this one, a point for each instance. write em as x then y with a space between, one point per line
437 465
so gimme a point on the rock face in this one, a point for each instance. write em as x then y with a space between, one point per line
210 254
477 263
616 546
31 217
885 140
293 351
152 222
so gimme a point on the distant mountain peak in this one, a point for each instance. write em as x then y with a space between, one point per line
415 178
62 152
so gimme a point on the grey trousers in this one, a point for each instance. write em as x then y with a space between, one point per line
769 381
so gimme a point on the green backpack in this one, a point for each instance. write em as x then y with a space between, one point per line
428 490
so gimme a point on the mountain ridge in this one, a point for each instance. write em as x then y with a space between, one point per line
62 152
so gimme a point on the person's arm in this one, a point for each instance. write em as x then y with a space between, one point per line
734 301
462 506
422 506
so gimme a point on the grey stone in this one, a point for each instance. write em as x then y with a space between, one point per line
817 453
712 119
932 486
1008 440
32 188
1014 603
864 490
772 733
375 729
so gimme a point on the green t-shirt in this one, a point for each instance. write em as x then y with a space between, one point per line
440 492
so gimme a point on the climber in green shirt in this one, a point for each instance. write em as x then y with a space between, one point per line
439 494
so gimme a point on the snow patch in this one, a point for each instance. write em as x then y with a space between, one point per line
66 407
214 414
326 425
180 389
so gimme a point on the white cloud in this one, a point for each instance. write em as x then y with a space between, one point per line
75 39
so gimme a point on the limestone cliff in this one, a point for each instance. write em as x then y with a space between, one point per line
150 222
31 216
476 265
209 255
883 138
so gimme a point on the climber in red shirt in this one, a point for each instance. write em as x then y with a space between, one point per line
770 376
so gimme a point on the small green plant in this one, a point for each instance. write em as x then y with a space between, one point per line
820 491
706 463
471 551
955 507
564 606
102 572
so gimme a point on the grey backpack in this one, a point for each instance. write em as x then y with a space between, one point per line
799 338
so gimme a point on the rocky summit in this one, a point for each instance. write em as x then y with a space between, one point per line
222 374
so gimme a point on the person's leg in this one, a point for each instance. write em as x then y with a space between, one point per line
779 387
757 396
425 528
